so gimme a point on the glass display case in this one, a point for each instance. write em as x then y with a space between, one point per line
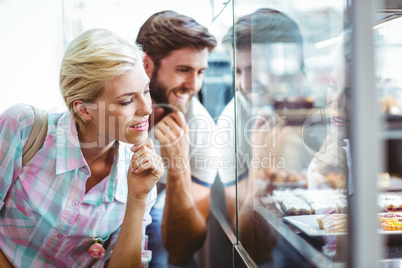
315 177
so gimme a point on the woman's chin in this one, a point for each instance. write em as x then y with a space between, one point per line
138 140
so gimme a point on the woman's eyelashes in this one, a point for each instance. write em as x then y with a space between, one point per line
126 102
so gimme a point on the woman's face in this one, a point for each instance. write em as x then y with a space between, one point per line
124 108
338 97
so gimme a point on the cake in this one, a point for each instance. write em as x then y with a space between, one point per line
307 202
333 223
391 221
389 202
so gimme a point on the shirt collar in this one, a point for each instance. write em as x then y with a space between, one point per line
68 150
115 185
123 160
70 157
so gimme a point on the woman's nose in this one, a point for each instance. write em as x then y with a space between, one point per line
144 106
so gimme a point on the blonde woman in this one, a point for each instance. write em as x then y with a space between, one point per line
84 198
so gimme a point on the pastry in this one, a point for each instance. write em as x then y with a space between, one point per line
333 223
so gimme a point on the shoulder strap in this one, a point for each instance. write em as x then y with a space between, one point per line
37 136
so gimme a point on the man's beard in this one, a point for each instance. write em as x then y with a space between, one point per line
160 96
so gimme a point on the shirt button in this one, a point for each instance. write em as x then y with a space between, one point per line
75 203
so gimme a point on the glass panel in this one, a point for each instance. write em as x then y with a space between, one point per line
388 55
291 119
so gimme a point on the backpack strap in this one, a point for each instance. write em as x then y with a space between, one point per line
36 137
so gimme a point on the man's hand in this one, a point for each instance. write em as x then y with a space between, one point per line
173 135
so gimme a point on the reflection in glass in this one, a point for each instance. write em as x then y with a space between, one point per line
269 73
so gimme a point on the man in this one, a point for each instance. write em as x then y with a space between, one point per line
269 64
176 49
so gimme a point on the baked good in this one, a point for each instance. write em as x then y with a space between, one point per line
389 202
336 180
392 224
296 206
384 180
389 105
305 202
391 221
333 223
320 221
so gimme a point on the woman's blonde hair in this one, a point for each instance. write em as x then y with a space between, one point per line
90 61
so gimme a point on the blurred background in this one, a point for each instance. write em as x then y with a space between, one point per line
34 35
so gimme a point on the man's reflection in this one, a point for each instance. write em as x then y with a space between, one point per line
269 67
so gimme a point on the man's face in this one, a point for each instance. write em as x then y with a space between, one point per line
267 71
246 83
179 77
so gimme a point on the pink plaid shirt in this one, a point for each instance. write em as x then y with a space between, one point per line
46 219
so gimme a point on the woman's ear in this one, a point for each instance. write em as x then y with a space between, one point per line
148 65
81 109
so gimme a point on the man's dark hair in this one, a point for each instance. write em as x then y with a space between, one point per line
264 26
167 31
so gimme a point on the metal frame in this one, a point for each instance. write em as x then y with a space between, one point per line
365 244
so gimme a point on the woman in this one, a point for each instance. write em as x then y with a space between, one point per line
331 165
84 190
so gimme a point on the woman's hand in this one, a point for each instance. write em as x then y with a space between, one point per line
330 166
332 156
145 170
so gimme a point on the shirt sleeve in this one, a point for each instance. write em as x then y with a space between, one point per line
225 140
15 126
203 154
226 154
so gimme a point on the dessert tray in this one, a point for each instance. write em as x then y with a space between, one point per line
308 224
